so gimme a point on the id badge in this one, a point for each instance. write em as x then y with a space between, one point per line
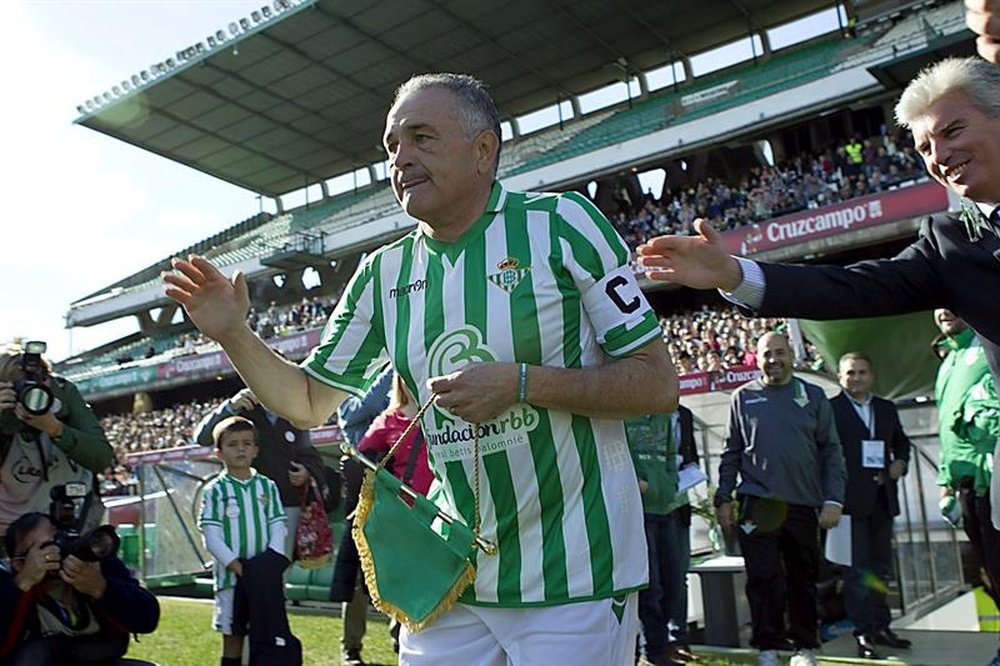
872 453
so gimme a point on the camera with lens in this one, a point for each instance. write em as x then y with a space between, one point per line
70 502
32 392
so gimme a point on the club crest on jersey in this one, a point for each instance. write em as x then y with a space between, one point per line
509 274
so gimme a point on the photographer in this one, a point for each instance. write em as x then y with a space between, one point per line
48 436
57 608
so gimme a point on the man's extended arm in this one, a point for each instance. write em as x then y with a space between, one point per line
218 306
203 431
906 283
81 437
643 382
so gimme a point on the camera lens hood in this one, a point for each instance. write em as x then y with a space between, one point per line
36 398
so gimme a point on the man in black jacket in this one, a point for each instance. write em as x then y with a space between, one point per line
876 454
286 454
63 611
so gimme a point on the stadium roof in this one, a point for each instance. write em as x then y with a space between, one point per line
280 103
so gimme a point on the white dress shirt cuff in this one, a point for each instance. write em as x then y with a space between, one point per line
750 291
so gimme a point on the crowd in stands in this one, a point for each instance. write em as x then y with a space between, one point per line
852 169
150 431
714 340
272 322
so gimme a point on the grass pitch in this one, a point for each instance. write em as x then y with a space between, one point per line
185 637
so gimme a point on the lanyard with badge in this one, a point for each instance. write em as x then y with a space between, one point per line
872 450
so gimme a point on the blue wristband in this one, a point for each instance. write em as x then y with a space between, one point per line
522 384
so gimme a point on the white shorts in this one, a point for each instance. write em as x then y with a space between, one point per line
595 633
222 618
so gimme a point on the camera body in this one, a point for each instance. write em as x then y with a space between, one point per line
32 393
69 505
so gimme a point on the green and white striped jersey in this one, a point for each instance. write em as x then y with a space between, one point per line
542 279
246 511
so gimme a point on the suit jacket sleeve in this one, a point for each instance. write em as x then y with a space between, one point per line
909 282
129 606
203 431
688 449
900 444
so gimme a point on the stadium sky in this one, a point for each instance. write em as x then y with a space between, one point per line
81 209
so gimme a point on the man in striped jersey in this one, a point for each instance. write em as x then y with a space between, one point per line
241 516
520 314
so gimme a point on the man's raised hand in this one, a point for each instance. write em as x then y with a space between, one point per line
217 305
701 261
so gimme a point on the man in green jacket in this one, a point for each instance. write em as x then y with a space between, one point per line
43 448
656 444
969 414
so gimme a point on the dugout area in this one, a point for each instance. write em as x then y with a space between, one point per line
158 527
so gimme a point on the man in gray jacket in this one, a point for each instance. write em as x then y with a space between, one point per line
783 442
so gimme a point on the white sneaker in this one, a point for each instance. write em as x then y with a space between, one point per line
803 658
768 658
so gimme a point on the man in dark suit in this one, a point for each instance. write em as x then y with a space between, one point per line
876 453
953 110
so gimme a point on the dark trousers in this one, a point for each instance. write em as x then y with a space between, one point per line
984 537
663 605
780 544
867 581
59 651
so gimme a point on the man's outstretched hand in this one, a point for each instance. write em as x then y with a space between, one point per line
701 261
983 18
217 305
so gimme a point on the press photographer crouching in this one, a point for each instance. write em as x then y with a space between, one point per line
69 599
48 437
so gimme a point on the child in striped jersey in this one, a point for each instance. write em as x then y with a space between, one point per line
241 516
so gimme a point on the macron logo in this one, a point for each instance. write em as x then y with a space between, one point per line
408 289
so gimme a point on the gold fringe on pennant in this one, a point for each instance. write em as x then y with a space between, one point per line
366 499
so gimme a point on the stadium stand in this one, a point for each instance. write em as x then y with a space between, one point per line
723 175
748 81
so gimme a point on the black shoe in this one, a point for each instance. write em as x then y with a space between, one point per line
866 647
351 657
889 638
